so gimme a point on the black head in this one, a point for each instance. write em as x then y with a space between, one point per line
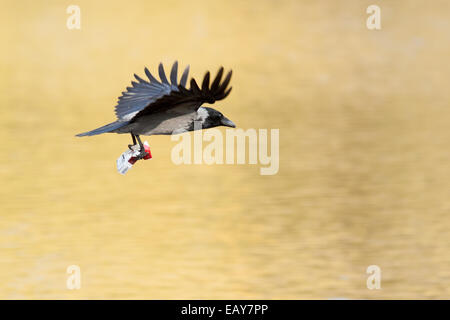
211 118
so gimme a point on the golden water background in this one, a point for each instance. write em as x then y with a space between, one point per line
364 173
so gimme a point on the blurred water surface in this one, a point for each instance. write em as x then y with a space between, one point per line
364 152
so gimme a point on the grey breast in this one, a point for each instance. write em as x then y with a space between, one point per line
162 123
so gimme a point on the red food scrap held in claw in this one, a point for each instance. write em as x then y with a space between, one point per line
148 156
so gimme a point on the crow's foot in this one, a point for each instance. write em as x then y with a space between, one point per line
142 154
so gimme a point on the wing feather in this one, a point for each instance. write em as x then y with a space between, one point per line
194 87
162 74
184 77
150 76
205 83
216 82
225 82
174 74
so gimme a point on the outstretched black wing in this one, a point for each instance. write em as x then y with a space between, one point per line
194 97
144 93
163 96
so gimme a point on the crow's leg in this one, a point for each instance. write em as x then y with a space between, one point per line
142 149
134 142
140 142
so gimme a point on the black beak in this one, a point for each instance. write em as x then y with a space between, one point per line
227 123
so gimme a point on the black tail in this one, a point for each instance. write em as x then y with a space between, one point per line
106 128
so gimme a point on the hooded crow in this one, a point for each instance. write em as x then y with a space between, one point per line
161 107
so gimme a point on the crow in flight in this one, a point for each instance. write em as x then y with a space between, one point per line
162 107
